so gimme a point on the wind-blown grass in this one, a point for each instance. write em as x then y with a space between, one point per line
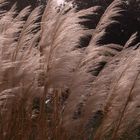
30 48
50 88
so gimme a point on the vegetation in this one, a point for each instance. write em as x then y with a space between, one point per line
70 74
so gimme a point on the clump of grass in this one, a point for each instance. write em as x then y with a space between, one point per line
53 86
31 44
